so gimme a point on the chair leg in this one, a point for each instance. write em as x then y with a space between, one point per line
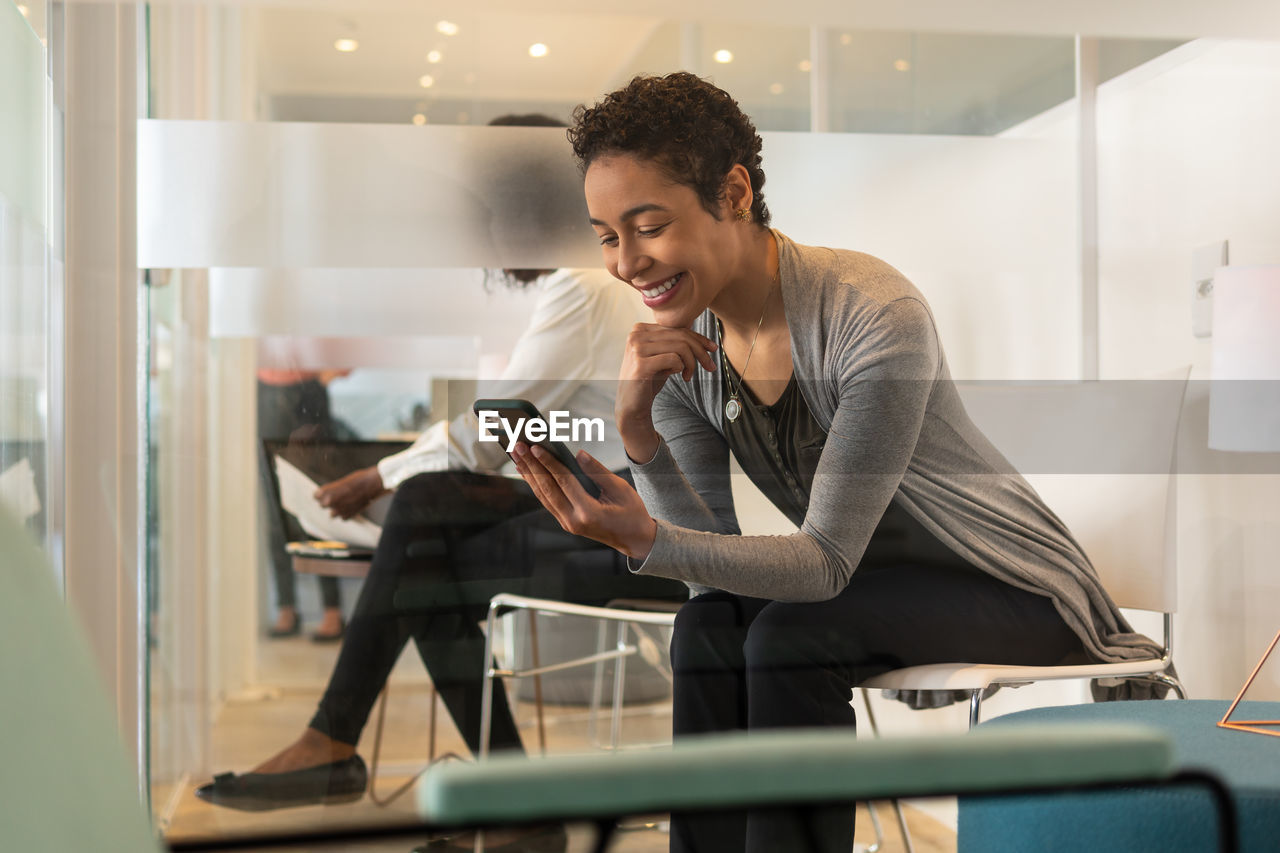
431 725
597 685
377 743
897 805
1167 680
380 801
875 825
486 695
619 680
537 681
975 706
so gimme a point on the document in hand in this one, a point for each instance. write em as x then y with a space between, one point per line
297 496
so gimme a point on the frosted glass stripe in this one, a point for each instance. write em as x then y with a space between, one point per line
22 105
367 302
264 194
985 226
455 356
278 194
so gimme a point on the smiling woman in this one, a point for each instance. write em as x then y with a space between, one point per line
326 197
842 411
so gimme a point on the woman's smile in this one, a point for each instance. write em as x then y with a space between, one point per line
661 292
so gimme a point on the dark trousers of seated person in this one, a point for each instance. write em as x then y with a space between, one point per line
746 663
460 538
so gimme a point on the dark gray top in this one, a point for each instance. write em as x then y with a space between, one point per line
778 447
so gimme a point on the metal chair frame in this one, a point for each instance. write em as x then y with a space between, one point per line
622 618
627 615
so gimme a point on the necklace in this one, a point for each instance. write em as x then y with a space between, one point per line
733 407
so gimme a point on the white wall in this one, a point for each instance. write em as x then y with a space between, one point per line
1187 155
985 227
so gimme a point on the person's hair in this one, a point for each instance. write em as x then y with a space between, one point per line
691 129
522 278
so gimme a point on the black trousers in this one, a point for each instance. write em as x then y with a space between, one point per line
746 663
458 538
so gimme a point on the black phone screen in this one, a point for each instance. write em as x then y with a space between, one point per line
511 420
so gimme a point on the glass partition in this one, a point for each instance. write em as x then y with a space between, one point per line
903 82
30 266
329 234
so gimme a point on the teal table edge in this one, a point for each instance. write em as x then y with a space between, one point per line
794 767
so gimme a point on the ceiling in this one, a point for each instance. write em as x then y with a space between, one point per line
488 57
880 81
1177 20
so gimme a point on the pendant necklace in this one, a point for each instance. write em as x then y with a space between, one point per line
733 408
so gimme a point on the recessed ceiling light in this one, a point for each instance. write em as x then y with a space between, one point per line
346 45
448 28
805 65
419 119
426 81
775 89
434 56
901 65
846 39
723 56
537 50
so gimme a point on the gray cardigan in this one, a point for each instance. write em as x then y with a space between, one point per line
866 353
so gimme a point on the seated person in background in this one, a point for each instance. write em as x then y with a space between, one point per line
820 370
464 531
294 405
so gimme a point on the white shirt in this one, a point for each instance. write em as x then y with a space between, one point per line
568 359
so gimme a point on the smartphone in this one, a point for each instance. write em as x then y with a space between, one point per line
517 416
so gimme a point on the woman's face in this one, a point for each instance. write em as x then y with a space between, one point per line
657 237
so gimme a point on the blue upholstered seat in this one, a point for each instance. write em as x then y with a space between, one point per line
1166 819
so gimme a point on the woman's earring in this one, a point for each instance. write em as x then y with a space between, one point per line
743 214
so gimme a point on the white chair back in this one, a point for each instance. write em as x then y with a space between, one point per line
1101 455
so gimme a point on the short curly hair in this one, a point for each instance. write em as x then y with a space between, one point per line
693 130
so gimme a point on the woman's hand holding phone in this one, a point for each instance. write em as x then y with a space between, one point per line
617 518
652 354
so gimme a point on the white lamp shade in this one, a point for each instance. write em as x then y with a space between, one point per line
1244 404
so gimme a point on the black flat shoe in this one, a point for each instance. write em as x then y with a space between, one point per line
544 839
326 784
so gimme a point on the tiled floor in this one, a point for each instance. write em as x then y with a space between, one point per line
253 727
